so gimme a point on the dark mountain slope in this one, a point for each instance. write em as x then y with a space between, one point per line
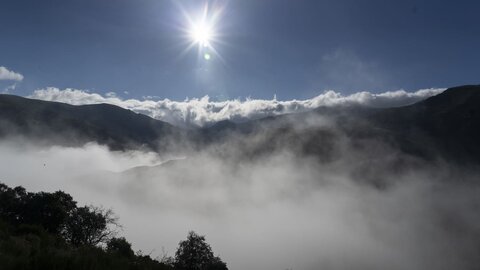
66 124
445 126
448 123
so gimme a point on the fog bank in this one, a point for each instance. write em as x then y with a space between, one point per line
283 211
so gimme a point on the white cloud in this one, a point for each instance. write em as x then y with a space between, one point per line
6 74
203 111
9 88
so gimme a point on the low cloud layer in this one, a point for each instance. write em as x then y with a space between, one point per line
9 75
284 210
203 111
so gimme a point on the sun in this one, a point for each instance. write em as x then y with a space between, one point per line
201 34
202 29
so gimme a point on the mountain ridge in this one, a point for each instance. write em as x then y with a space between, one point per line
444 125
105 123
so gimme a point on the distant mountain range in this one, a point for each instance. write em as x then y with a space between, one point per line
446 125
66 124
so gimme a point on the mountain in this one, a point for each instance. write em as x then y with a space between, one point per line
446 126
449 123
59 123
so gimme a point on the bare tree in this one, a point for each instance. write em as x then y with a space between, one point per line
90 225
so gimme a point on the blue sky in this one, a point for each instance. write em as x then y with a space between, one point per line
294 49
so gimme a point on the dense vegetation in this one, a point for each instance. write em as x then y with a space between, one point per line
49 231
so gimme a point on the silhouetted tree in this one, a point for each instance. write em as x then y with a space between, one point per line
216 264
11 203
32 226
195 254
120 246
50 210
167 260
89 226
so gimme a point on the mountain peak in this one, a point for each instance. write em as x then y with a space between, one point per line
467 95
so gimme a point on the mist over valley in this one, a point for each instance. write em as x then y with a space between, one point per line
346 186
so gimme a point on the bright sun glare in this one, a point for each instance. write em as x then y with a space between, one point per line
201 34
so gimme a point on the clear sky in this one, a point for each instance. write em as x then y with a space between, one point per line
294 49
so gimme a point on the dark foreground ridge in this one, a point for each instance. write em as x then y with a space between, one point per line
49 231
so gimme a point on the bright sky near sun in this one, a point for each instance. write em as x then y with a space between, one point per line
238 48
201 31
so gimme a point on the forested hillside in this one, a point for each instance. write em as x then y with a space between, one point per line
50 231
